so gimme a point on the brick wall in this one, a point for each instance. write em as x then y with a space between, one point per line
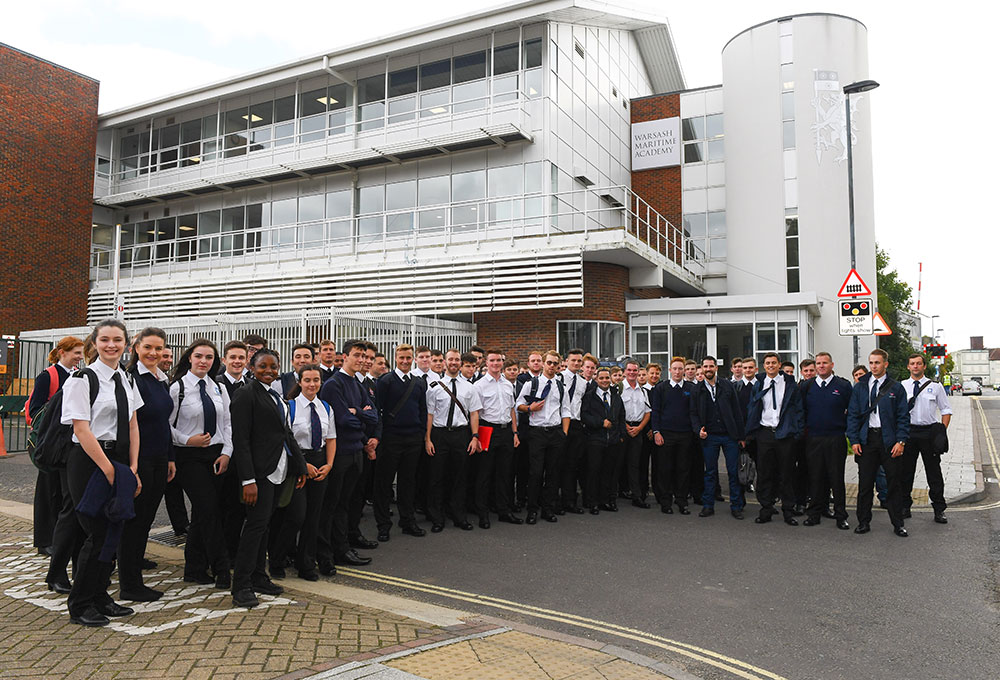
660 187
48 133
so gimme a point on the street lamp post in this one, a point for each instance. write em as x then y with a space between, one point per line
853 88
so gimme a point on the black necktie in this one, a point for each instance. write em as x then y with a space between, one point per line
208 406
873 399
316 426
545 391
678 386
121 430
406 378
774 395
451 407
607 403
572 388
237 385
822 384
277 403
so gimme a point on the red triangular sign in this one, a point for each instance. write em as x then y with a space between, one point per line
879 326
853 286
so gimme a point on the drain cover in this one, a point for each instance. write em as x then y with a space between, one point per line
167 537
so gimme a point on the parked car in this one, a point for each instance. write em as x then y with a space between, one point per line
971 387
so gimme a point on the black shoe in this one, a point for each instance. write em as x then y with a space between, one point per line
610 507
484 523
437 528
549 517
811 522
363 543
245 598
640 504
862 528
352 558
180 531
223 580
61 587
91 618
574 510
738 514
510 519
594 510
140 594
200 577
625 494
308 575
146 565
327 570
414 531
940 518
791 521
719 497
901 532
46 551
843 525
114 609
277 571
532 518
383 536
883 505
829 514
706 512
666 510
559 511
798 510
761 519
683 510
267 588
464 526
907 514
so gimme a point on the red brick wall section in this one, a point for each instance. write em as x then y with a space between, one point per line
48 134
661 187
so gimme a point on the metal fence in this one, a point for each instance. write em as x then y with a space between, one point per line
25 359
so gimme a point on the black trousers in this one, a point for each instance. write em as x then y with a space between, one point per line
544 454
674 468
447 472
300 518
775 473
90 587
502 450
398 458
67 536
638 477
696 469
422 482
205 545
362 493
233 510
802 475
611 461
596 487
48 501
176 510
332 541
521 466
135 535
873 454
921 445
249 565
827 457
573 461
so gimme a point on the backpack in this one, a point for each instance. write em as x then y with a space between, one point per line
534 389
53 388
291 409
49 441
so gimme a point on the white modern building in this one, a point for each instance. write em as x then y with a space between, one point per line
973 364
484 172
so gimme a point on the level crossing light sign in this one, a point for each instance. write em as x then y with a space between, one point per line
856 317
853 286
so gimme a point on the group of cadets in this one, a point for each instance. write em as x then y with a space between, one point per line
279 467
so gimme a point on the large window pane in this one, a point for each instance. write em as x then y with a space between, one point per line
787 106
765 337
466 186
433 190
470 96
403 82
470 67
694 152
641 341
659 339
693 128
612 340
261 114
338 96
312 128
401 195
690 342
371 199
434 103
338 204
733 341
371 89
402 109
717 223
791 252
581 334
713 126
533 53
716 150
505 59
312 102
170 136
788 134
793 280
695 225
236 120
283 212
788 337
372 116
436 74
284 109
505 181
311 207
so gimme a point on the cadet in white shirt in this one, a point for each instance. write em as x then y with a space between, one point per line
452 435
203 445
637 414
574 451
925 399
495 470
105 434
544 398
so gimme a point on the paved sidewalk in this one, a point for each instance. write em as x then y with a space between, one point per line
193 632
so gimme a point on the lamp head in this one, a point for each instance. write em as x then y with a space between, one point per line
860 86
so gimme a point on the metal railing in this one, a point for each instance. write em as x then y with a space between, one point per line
25 360
405 232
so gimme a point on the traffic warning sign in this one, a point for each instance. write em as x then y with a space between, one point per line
853 286
879 326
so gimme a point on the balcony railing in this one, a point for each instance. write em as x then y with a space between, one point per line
404 235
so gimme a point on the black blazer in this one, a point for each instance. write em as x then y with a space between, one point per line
288 381
726 400
230 387
259 435
593 414
790 421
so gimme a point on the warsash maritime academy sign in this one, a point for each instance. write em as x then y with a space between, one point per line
656 144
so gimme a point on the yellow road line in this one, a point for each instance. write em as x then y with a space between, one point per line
734 666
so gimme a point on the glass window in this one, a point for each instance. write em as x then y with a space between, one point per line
401 195
170 136
534 176
103 235
659 339
434 103
716 150
695 225
694 152
505 181
232 219
470 96
533 53
717 223
190 131
403 82
312 128
713 126
145 232
582 334
372 116
311 207
791 225
284 109
693 128
209 126
433 190
533 83
283 212
371 199
261 114
732 341
690 341
338 96
166 229
187 225
256 216
792 280
371 89
312 102
787 105
505 59
436 74
505 88
787 77
717 248
765 337
641 340
612 340
791 252
788 134
338 122
130 145
467 186
470 67
402 109
788 337
338 204
236 120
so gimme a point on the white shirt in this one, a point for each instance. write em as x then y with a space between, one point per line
820 381
576 401
636 402
874 420
191 417
712 388
439 402
232 381
930 400
552 411
160 375
497 398
103 415
402 376
769 415
302 425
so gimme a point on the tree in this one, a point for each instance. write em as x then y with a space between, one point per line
893 295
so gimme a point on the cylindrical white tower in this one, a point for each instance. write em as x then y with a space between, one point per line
786 165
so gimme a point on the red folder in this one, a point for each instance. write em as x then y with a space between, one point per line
485 434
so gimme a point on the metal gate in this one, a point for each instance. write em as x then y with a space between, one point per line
20 362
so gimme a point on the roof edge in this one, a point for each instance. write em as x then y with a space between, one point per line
49 62
793 16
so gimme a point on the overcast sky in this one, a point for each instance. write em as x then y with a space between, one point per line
934 154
